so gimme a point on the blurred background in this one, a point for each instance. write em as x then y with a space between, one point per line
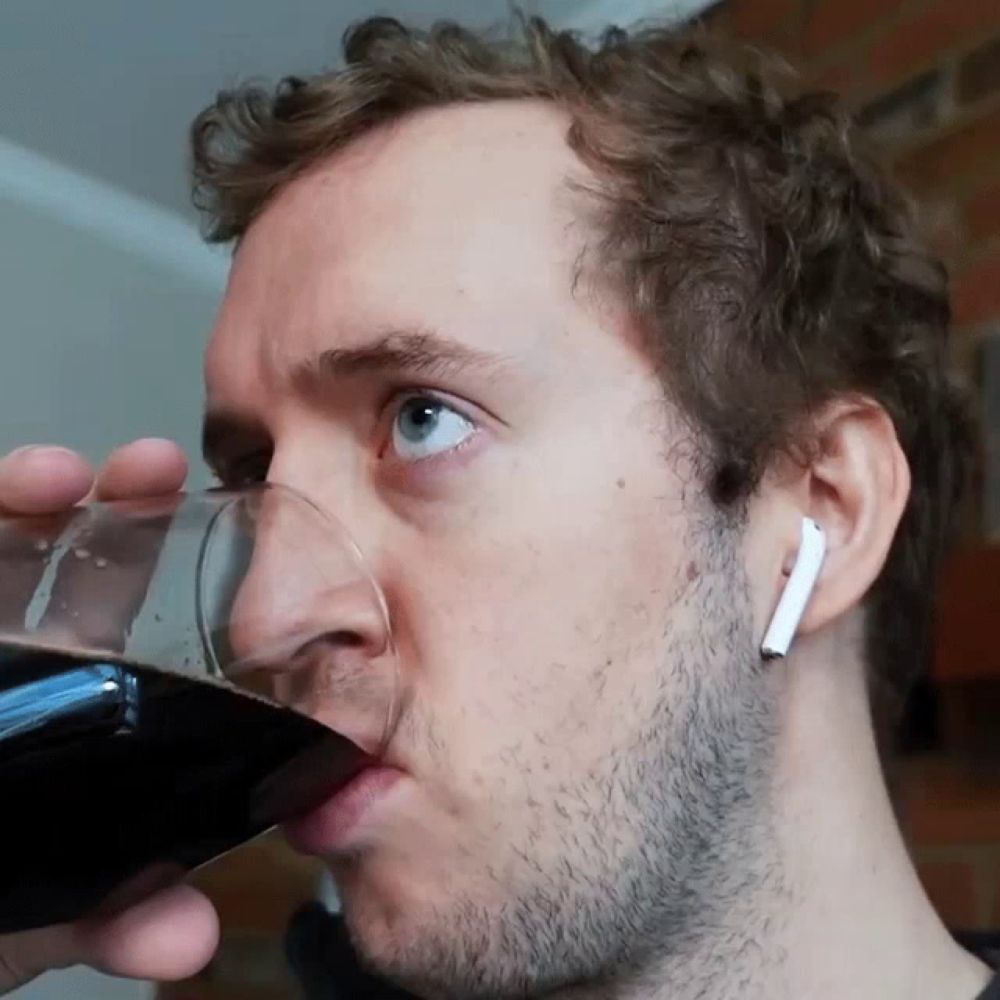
108 293
924 77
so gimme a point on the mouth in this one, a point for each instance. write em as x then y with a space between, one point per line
336 824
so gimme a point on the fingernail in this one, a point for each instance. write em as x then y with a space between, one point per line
29 449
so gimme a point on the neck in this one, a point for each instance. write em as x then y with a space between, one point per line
841 912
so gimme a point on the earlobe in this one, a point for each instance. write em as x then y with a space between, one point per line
797 591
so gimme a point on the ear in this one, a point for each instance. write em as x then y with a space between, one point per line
855 486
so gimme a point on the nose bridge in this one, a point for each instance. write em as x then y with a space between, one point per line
322 463
318 459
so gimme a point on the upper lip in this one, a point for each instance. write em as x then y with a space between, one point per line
385 759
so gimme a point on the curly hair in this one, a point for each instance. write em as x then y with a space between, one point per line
767 257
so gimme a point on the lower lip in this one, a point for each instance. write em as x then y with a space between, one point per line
329 827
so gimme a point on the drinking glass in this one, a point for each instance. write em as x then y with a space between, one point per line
177 676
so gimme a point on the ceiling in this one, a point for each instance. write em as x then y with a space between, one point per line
108 87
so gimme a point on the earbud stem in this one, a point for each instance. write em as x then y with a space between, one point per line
798 590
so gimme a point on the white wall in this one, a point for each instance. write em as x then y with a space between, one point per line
104 306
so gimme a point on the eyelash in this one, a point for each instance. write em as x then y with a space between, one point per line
253 467
247 470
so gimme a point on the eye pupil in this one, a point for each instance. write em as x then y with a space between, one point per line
419 418
425 426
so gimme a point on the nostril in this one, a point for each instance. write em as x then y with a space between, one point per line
344 639
330 642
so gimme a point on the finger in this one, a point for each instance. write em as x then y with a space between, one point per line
43 479
38 487
28 954
144 468
171 935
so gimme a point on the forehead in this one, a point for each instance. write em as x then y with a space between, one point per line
457 219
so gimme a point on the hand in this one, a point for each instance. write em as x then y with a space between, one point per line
174 933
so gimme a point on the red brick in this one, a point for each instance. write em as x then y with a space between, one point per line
953 157
979 72
982 212
975 291
762 20
951 887
942 228
966 664
909 110
921 39
833 22
994 915
846 78
949 804
954 821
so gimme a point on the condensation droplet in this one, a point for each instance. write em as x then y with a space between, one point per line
81 553
100 562
41 545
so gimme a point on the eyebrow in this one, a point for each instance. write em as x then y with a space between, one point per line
410 352
415 352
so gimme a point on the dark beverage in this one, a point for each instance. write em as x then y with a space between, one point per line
111 770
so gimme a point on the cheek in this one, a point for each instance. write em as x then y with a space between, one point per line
529 639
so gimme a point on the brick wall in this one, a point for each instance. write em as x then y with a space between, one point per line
952 816
925 76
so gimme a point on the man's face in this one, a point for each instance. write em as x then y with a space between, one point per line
582 729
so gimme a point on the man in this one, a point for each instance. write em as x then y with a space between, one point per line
574 341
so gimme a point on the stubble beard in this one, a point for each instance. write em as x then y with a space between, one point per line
681 911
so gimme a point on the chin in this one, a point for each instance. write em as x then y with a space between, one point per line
397 928
381 905
392 943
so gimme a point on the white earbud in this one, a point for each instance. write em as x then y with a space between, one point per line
797 592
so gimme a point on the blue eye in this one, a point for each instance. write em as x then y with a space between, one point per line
425 426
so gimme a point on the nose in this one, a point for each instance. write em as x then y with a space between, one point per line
280 614
309 627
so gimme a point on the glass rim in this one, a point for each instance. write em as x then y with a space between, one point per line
231 497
